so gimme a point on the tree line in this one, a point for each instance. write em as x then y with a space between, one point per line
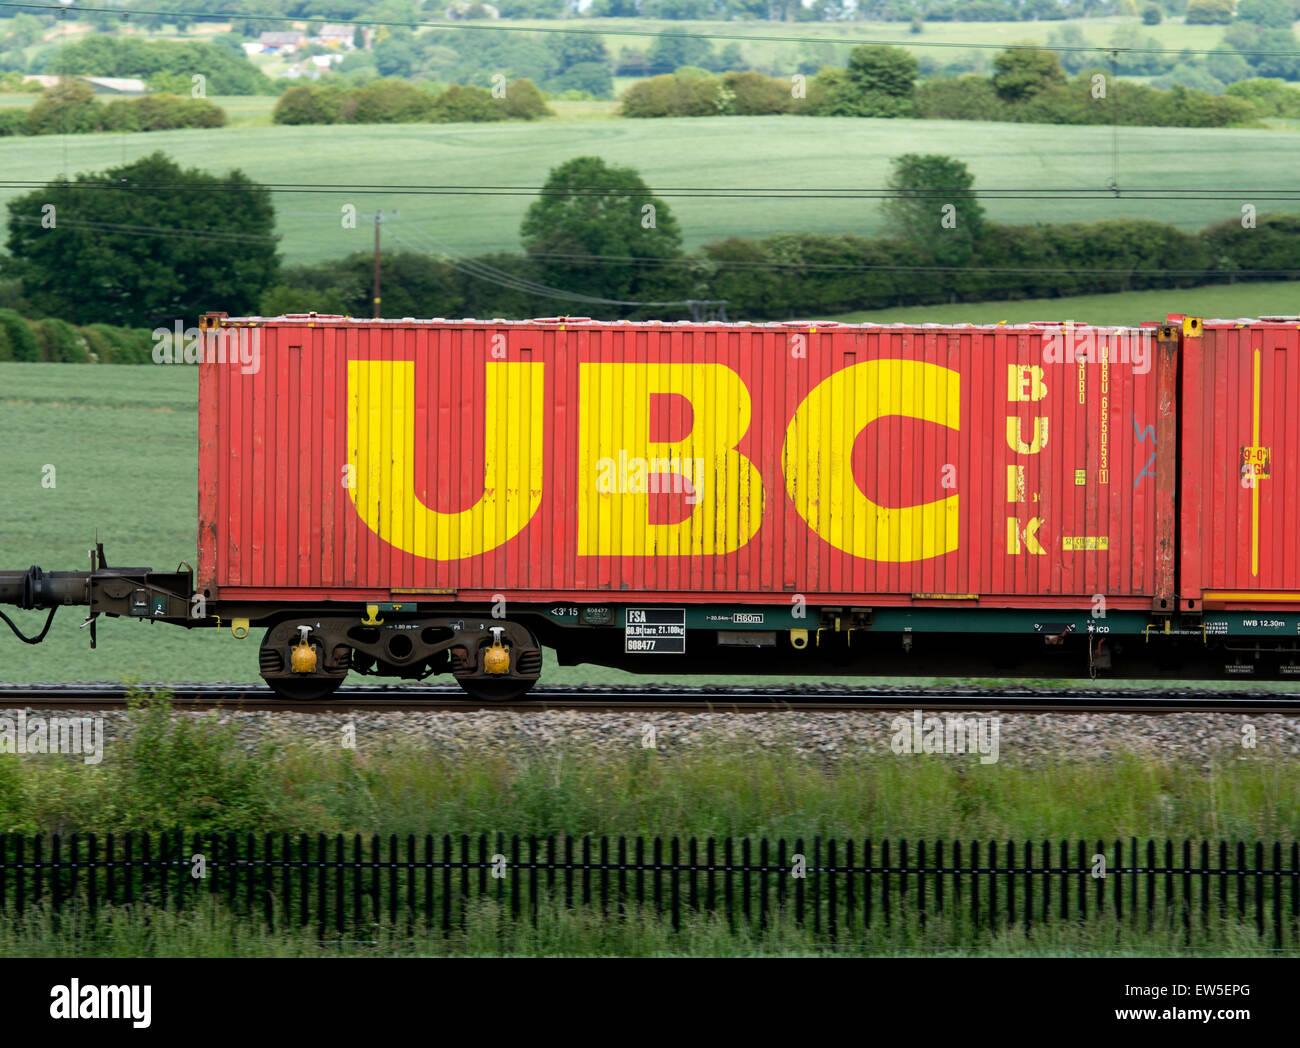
584 251
1028 85
70 107
399 102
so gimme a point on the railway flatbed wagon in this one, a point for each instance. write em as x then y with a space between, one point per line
418 497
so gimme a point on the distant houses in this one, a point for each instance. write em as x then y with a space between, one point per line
335 37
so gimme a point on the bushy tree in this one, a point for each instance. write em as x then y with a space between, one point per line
1209 12
590 210
525 102
67 108
1152 15
934 209
592 77
461 104
968 97
1021 73
386 102
101 259
308 105
1272 14
226 71
754 94
879 69
675 94
677 47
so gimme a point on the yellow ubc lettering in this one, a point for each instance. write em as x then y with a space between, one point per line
818 452
722 486
381 449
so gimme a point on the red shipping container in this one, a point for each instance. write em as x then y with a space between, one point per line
1240 464
1027 465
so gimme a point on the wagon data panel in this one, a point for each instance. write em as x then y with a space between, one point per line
655 631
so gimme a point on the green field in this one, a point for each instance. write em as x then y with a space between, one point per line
1218 300
761 42
731 152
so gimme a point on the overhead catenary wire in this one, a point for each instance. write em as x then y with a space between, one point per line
490 274
685 192
852 41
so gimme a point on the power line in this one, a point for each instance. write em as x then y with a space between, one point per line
490 274
222 16
126 227
699 193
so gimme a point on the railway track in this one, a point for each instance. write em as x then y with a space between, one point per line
666 699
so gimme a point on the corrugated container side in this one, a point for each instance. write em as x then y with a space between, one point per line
1241 466
863 464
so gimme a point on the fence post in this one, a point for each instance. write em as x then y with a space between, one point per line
586 871
692 889
339 890
920 882
322 867
1029 885
56 862
20 872
1259 887
622 875
832 923
410 883
1119 888
532 880
710 861
1277 895
676 883
446 884
850 899
604 875
516 874
884 879
1132 884
939 876
268 907
393 889
92 874
993 886
658 868
568 872
286 879
640 872
1241 880
464 879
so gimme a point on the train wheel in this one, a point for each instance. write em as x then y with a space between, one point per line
304 689
505 690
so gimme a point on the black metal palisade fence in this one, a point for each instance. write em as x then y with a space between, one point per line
342 883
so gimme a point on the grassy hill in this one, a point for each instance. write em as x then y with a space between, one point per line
731 152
